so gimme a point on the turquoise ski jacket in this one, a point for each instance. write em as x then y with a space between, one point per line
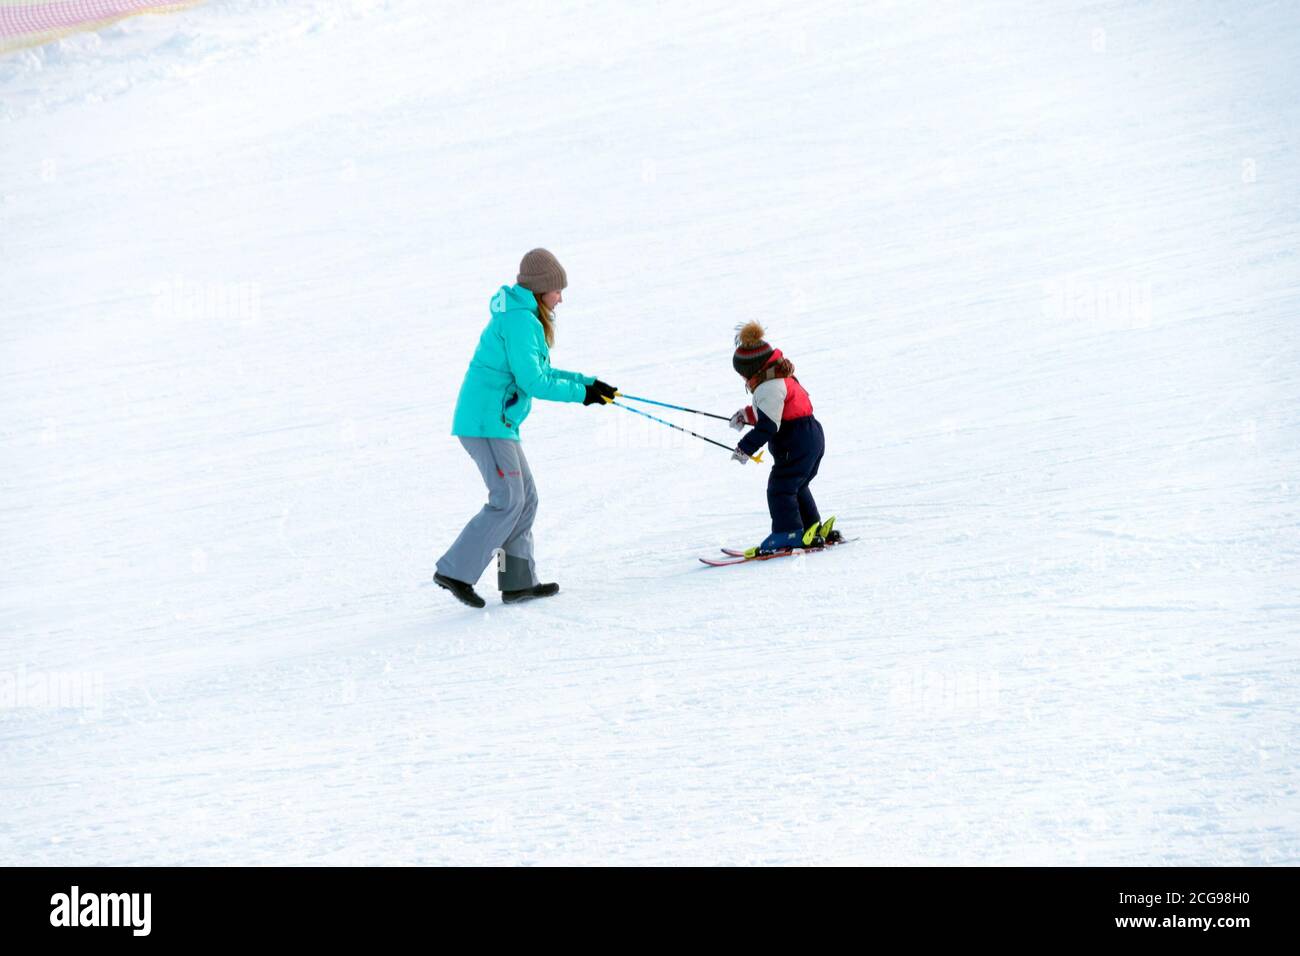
511 366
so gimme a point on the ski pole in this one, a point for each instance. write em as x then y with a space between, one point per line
680 408
637 411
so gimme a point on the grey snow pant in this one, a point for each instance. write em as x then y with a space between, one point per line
505 522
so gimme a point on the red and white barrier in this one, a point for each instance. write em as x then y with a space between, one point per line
26 23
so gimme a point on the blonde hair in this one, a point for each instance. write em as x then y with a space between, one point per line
547 318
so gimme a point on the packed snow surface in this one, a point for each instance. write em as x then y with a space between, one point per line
1036 264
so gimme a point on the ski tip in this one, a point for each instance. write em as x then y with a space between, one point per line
736 556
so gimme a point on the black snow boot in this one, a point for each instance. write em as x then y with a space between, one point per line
527 594
464 592
515 580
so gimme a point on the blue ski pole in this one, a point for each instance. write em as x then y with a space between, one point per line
637 411
680 408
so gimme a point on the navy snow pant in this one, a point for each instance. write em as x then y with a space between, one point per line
797 451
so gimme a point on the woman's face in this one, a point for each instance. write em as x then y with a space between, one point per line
552 299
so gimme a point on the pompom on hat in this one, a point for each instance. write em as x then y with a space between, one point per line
540 271
752 353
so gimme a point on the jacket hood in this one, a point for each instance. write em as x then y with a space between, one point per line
511 297
778 366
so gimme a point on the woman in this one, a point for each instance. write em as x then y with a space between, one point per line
510 367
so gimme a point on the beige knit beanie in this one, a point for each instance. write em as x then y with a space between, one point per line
541 272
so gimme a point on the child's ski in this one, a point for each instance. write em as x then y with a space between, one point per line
739 557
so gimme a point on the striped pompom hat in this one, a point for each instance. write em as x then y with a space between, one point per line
752 352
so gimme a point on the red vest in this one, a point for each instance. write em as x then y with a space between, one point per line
797 402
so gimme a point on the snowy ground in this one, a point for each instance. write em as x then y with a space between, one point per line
1036 264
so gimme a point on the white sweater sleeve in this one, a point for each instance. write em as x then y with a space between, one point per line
769 399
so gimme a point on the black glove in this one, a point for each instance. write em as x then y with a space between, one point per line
598 393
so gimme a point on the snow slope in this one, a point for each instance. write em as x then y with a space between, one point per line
1035 263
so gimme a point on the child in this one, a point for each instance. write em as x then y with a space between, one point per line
782 416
